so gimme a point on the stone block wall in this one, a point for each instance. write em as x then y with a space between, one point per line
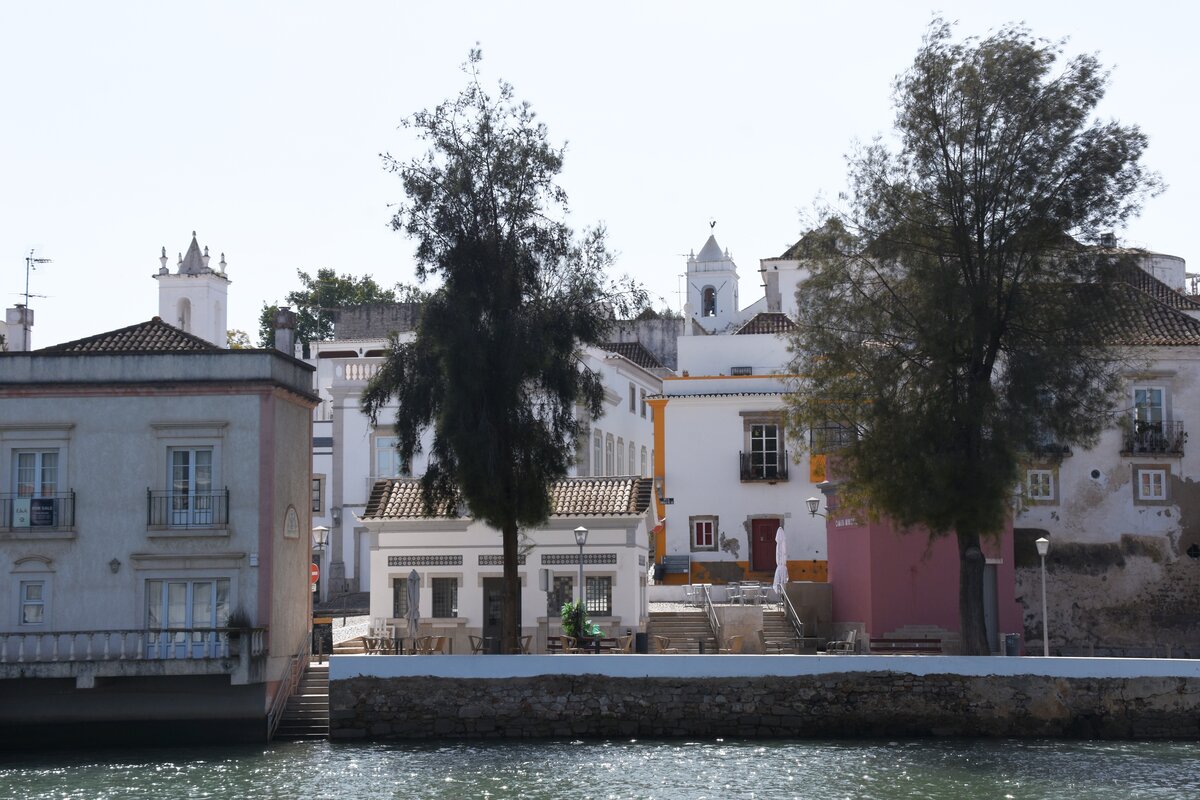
834 704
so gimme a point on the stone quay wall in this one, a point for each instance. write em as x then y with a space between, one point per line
837 697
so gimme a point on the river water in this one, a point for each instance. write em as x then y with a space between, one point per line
927 768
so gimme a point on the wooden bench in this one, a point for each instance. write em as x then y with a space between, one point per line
906 646
554 644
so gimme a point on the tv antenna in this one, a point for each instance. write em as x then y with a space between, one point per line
31 263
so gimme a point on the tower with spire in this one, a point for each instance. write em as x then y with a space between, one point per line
712 282
194 297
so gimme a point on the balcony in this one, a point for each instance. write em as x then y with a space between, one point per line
825 439
25 514
84 655
177 511
1154 439
763 467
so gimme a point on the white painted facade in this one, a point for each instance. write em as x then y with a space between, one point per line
194 297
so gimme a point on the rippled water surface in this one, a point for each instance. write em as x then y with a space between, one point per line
643 769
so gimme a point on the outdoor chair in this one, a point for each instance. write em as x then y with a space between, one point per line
626 645
664 645
437 645
476 644
844 646
735 645
772 644
570 645
422 644
525 642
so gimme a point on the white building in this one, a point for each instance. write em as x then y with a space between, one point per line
460 567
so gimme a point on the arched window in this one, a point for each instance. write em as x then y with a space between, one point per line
620 456
645 474
708 302
597 463
184 315
632 462
608 455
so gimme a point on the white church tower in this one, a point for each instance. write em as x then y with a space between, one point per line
712 281
194 297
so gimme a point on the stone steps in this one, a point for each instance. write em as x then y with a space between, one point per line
685 629
306 715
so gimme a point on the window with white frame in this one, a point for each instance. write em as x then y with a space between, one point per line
182 616
1151 483
445 597
632 460
765 449
598 455
599 595
644 464
387 460
1149 407
191 480
35 473
620 470
608 455
704 533
1040 484
33 602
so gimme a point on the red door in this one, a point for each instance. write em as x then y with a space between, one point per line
762 544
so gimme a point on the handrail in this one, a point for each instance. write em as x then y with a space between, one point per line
287 686
793 617
712 615
130 644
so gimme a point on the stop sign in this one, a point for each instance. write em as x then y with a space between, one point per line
314 572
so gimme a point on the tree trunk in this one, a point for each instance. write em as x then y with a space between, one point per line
971 624
510 631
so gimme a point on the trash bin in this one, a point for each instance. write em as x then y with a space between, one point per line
1012 644
641 643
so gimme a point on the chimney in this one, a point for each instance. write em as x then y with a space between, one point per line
285 330
18 324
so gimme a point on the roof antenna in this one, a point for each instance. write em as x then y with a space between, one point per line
30 265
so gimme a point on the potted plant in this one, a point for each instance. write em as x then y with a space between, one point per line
576 624
237 623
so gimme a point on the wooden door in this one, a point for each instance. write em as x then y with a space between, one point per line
762 544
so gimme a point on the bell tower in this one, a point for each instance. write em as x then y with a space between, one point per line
712 281
194 297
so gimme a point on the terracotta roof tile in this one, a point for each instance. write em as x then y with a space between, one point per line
154 336
635 352
400 498
1144 281
767 322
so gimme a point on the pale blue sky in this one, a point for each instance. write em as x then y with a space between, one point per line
129 124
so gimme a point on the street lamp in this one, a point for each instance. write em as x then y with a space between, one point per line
1043 544
581 539
320 538
813 504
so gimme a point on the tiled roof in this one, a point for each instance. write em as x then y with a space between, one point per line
1143 280
635 352
154 336
1147 322
400 498
767 322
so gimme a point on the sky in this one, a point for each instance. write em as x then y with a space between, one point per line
260 126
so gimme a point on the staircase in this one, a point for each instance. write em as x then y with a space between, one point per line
350 647
306 715
777 628
679 627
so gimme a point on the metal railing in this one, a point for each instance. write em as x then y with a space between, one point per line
1161 438
829 438
789 611
168 509
758 467
287 687
165 644
711 613
54 512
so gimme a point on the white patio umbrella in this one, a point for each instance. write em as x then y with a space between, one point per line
414 598
781 572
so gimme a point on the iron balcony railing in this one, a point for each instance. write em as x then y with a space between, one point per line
1154 438
828 438
54 512
168 644
763 466
187 510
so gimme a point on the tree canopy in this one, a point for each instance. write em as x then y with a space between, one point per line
941 326
494 368
318 296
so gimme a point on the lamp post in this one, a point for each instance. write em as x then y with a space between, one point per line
581 539
1043 545
320 537
813 504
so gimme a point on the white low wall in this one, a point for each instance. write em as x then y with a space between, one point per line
752 666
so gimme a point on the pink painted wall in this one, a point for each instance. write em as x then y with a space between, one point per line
887 580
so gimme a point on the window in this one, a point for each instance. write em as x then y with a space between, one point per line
632 460
599 595
608 454
1148 408
318 494
445 597
388 463
561 591
704 535
620 470
33 602
36 473
1151 483
644 474
765 459
191 481
597 457
400 597
1040 484
182 617
632 398
708 302
643 403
